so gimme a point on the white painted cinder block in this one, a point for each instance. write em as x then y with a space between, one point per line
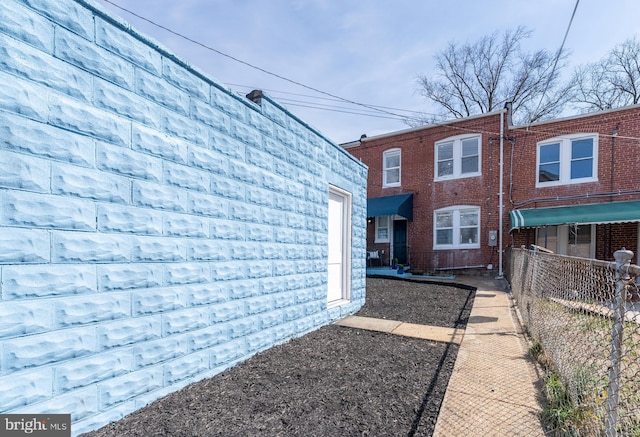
40 349
90 308
120 219
153 249
25 388
44 211
24 172
77 181
190 319
185 367
129 331
207 337
83 247
80 404
87 371
155 228
156 196
157 143
21 318
22 281
154 352
126 387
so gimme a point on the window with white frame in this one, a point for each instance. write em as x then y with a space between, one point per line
382 229
391 168
457 157
568 160
457 227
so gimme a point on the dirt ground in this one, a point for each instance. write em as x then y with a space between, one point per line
335 381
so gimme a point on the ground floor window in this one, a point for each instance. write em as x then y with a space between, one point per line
382 229
457 227
572 240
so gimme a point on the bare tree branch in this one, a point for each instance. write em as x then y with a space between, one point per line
481 77
612 82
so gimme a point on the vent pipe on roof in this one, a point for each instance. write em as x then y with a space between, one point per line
255 96
509 107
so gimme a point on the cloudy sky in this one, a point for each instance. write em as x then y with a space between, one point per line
363 51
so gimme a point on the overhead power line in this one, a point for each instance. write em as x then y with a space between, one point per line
315 102
249 87
279 76
555 63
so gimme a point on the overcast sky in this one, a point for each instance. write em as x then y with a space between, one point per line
365 51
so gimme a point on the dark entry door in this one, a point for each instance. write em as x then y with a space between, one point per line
400 241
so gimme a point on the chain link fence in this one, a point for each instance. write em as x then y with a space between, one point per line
586 316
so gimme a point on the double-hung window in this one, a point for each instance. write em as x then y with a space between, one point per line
457 227
391 168
382 229
568 160
457 157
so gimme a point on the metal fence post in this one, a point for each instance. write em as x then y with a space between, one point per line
623 259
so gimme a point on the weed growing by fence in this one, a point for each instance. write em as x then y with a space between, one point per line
573 308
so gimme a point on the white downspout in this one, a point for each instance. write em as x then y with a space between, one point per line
500 206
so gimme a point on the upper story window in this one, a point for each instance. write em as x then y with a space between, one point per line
568 160
457 227
458 157
391 168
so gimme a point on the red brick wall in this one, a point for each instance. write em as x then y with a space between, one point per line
623 150
626 157
417 176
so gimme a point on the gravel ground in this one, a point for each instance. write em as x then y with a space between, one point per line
335 381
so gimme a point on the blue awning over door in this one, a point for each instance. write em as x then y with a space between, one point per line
401 204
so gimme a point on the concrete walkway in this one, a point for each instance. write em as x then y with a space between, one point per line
425 332
494 389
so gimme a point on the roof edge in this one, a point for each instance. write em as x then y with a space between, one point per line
419 128
576 117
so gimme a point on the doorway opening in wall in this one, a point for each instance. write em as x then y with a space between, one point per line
391 232
399 245
339 247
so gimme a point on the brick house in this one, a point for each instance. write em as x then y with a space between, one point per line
434 191
576 184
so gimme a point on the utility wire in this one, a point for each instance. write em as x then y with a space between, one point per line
251 65
249 87
555 63
347 112
336 108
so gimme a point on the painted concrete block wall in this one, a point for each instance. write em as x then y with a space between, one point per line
155 228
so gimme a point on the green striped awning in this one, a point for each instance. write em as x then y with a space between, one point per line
610 212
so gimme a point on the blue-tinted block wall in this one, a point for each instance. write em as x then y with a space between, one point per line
155 228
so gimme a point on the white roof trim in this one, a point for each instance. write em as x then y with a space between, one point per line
430 126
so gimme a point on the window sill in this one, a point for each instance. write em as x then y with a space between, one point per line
454 178
561 183
461 247
337 303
